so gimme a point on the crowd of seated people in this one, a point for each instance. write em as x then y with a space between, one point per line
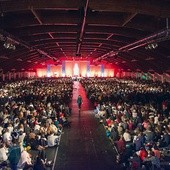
32 115
136 116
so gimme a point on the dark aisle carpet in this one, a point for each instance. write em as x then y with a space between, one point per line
84 146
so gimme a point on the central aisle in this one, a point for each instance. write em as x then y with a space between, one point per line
84 146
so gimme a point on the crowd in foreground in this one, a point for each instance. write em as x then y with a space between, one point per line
136 116
32 115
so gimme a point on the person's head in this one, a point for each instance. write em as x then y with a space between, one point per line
155 147
6 130
142 148
15 141
127 131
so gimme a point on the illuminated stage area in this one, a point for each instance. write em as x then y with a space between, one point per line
76 69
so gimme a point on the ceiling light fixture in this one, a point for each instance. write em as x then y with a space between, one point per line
10 46
150 42
151 46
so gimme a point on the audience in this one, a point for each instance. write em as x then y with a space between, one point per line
136 115
32 115
25 160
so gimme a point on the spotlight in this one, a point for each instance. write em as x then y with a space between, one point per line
9 46
155 45
14 47
146 47
151 46
6 45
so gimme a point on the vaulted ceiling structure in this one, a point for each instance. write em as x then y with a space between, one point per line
134 35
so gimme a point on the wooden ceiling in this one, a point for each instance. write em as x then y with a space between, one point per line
94 29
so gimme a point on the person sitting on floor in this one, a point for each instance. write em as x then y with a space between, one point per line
52 139
33 142
25 160
3 153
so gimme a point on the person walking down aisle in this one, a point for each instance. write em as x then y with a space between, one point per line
79 102
84 146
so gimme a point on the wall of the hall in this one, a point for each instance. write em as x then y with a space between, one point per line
165 77
76 68
95 71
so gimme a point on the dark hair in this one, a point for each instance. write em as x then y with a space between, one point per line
155 147
152 153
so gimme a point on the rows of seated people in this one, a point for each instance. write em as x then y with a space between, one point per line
136 115
32 115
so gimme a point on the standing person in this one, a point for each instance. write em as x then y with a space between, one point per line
79 101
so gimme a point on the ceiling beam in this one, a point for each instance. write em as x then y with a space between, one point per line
142 42
38 30
69 20
36 16
131 6
100 44
129 18
57 44
82 28
89 40
21 5
18 41
14 39
40 22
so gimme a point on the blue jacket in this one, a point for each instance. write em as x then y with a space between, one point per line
14 154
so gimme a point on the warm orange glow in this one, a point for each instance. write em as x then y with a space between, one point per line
69 68
41 72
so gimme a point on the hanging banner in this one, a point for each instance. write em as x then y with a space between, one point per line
88 69
102 70
63 68
48 70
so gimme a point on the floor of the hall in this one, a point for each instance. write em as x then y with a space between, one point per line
84 146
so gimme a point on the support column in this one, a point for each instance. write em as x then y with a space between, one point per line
3 77
162 78
15 75
153 78
9 75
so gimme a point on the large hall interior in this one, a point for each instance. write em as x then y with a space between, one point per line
85 85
